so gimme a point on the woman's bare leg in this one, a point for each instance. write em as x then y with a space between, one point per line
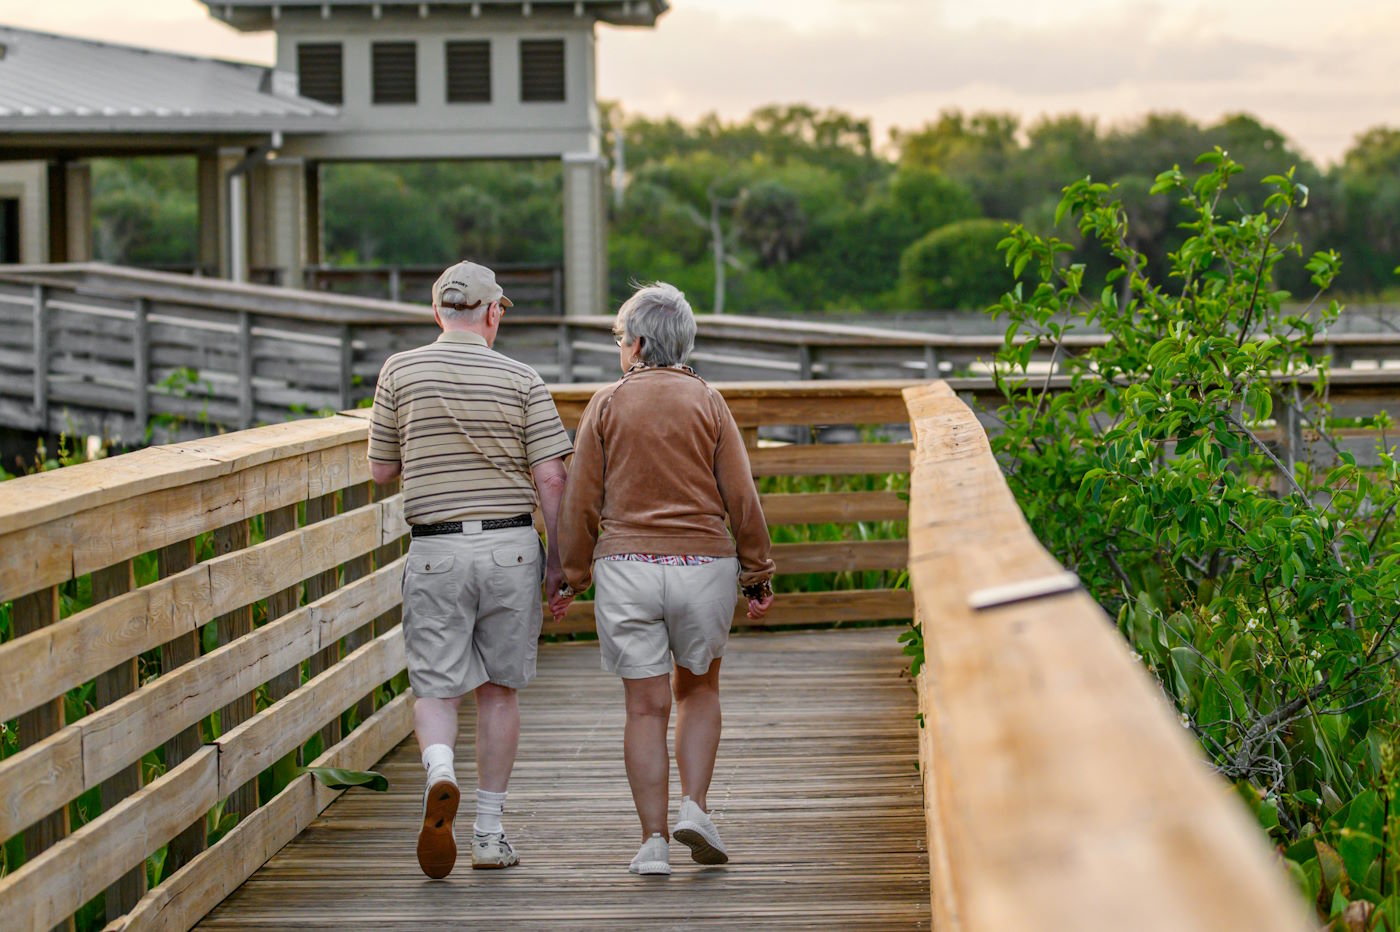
697 730
644 750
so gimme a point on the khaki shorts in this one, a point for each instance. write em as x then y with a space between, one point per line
647 613
471 610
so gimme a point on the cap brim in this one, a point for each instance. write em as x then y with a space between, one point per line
506 302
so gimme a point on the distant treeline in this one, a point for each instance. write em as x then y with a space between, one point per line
813 213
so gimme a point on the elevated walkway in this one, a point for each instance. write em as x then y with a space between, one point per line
816 791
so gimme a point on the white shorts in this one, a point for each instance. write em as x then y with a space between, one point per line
471 610
648 613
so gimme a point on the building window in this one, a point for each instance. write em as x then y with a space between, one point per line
320 72
9 229
395 72
541 70
469 72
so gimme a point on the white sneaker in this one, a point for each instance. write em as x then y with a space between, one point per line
437 843
695 830
653 858
492 852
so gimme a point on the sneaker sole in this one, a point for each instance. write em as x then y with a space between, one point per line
494 867
701 851
660 868
437 849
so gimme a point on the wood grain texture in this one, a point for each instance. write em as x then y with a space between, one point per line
174 654
830 459
110 686
232 627
42 778
42 739
51 887
1061 792
815 790
179 902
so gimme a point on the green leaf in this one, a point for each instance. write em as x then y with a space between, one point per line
338 778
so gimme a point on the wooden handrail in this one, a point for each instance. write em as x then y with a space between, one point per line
1060 792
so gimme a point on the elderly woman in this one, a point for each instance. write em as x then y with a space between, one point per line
659 463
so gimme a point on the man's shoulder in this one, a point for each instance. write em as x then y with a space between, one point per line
522 370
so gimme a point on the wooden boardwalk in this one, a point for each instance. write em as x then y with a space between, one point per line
816 792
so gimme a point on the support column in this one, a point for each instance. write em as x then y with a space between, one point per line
27 182
58 211
277 220
585 236
79 207
223 215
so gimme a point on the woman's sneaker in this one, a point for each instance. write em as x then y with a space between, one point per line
695 830
492 852
437 845
654 858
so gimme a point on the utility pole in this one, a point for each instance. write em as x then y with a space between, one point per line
717 241
619 172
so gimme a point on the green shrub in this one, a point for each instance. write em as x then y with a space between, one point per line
1264 595
956 266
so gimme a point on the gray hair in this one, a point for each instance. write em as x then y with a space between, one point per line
458 296
660 315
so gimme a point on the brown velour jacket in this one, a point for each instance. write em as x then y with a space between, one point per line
658 463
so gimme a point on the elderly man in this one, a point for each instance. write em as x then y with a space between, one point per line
468 429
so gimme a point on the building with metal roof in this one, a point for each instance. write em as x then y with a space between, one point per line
353 81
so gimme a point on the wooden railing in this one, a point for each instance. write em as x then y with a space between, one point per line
135 355
244 610
1060 793
535 289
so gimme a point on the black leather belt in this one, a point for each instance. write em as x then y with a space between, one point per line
455 527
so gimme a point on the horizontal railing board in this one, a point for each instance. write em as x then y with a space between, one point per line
830 459
48 662
56 883
1060 791
120 733
258 743
840 556
789 608
32 500
837 507
184 898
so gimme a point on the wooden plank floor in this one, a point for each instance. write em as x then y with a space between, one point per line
816 794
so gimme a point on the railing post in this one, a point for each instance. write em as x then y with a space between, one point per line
930 361
41 358
323 584
245 370
566 355
141 366
170 560
557 286
230 628
804 362
347 368
117 682
30 613
395 283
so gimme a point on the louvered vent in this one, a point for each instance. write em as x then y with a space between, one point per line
541 70
395 72
320 72
469 72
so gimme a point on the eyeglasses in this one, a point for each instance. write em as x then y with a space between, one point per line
617 339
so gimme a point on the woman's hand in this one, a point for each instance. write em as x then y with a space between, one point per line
559 604
759 607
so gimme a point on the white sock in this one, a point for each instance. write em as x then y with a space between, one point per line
437 760
489 807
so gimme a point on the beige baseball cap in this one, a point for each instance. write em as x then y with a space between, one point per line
477 282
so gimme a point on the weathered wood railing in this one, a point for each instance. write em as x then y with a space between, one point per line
244 599
131 355
1060 793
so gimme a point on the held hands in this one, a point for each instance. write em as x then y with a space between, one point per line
556 587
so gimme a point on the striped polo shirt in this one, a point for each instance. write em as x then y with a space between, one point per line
468 424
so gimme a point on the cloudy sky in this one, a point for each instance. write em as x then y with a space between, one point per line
1320 70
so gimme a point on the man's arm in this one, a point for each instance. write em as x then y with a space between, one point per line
550 478
384 472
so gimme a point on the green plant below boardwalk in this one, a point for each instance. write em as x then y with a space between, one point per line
1263 594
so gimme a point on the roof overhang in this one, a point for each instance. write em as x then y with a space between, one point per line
261 15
